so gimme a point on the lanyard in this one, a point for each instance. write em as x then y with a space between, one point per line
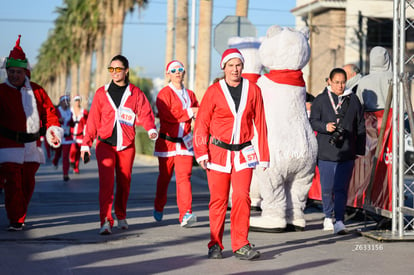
334 106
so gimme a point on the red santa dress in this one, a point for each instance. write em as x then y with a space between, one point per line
77 132
175 114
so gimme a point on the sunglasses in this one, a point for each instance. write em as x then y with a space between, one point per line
116 69
180 70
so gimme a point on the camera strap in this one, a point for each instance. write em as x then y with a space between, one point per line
340 108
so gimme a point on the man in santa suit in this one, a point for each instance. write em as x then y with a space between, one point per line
222 145
79 117
177 106
27 112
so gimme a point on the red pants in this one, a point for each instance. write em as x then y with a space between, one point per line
219 185
74 155
18 188
183 168
111 162
64 152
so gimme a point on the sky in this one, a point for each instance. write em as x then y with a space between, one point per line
144 32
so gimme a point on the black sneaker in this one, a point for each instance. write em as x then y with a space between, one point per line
214 252
247 253
17 226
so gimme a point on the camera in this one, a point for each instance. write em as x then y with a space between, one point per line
338 135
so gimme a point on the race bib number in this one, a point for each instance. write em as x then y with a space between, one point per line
188 142
126 116
250 156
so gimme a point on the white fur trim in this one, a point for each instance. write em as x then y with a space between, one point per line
151 132
174 64
173 153
230 56
32 153
203 157
58 133
30 108
15 155
267 222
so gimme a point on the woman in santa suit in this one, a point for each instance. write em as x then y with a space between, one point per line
79 117
25 108
66 122
177 106
222 145
116 109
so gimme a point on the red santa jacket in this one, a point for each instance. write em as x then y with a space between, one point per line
217 118
103 116
174 111
77 130
18 115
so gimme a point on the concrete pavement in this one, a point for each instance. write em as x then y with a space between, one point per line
61 236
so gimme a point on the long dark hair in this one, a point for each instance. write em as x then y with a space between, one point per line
124 62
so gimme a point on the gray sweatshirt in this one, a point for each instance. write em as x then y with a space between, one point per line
373 88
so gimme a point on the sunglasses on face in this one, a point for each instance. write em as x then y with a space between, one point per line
116 69
180 70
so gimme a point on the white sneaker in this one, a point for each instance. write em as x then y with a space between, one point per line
106 229
188 220
122 224
328 224
339 228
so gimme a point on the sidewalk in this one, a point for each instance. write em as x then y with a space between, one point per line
61 236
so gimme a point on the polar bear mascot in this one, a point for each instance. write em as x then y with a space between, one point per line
285 184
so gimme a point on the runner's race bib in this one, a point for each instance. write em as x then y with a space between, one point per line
188 142
250 156
126 116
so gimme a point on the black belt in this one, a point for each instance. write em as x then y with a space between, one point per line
20 137
105 141
176 140
231 147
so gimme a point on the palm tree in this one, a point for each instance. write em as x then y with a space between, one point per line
181 39
114 12
83 30
169 49
242 7
202 76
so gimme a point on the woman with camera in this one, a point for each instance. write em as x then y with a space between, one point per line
337 117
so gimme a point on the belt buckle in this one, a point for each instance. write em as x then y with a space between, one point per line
17 136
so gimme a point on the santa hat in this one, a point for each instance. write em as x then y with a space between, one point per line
229 54
78 97
174 64
17 57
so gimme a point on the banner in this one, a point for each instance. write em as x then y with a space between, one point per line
381 192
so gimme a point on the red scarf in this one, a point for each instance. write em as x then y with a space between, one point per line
289 77
252 77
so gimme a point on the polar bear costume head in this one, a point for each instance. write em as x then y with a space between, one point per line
284 48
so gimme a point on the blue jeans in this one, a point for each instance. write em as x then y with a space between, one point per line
335 178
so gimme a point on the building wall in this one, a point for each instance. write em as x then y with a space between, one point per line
327 45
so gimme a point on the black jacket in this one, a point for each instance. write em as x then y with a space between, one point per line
353 123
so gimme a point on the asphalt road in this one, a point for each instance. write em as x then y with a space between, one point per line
61 236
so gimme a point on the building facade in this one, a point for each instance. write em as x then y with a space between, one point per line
344 31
